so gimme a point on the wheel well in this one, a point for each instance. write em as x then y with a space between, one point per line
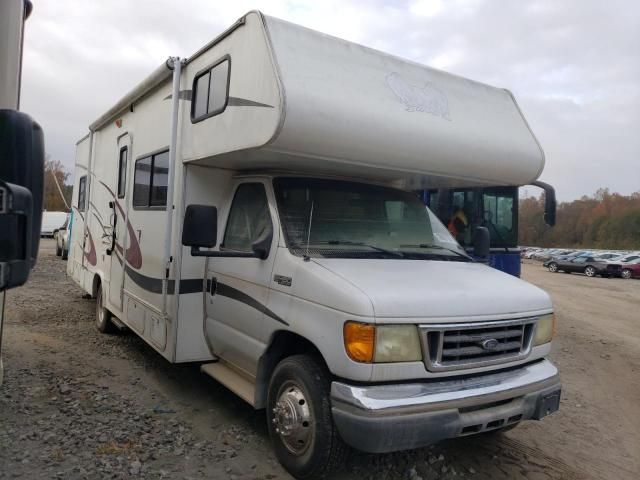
96 283
283 344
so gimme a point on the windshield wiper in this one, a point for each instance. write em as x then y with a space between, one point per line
356 244
437 247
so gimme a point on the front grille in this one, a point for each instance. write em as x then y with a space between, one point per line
457 346
614 268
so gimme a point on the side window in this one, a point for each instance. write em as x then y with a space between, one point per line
150 180
160 179
82 194
122 172
248 218
211 91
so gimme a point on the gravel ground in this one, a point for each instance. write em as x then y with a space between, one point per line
78 404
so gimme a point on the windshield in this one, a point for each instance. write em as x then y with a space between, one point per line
331 218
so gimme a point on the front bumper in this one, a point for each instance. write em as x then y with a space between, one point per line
386 418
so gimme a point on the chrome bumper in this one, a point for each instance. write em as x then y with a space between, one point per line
384 418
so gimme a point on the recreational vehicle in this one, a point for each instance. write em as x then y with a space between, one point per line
250 208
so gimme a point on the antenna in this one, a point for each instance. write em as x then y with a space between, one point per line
306 256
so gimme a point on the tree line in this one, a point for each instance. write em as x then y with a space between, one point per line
604 220
52 200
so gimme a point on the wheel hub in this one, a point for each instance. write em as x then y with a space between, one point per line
292 419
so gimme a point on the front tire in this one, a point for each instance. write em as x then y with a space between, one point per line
65 253
58 250
553 267
590 271
626 273
103 316
299 420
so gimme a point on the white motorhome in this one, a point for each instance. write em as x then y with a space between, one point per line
250 208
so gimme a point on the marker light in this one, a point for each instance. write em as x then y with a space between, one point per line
359 339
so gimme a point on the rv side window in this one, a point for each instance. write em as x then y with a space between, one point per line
82 194
211 91
248 218
122 172
159 179
150 180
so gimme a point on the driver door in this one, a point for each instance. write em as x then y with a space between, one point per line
239 287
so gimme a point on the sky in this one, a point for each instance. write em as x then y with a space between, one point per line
573 65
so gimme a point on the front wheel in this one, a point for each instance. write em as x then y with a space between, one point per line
58 250
626 273
590 271
300 424
553 267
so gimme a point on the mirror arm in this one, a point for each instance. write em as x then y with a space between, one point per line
196 252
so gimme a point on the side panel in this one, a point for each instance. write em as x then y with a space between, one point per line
205 186
140 231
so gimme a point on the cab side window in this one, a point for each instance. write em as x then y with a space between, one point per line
248 219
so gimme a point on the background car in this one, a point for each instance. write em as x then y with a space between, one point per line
590 266
631 269
62 238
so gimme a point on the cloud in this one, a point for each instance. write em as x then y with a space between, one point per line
572 65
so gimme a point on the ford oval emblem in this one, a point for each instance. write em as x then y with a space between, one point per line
489 344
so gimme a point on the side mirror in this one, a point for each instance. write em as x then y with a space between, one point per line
481 242
21 189
16 208
262 245
200 228
550 203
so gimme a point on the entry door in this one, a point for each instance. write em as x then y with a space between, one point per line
119 219
239 287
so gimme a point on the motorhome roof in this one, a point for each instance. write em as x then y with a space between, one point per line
345 109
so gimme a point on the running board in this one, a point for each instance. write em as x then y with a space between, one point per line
232 379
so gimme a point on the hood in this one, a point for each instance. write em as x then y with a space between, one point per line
439 289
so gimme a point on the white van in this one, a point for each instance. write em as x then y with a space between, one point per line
51 223
250 208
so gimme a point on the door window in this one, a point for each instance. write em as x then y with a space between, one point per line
82 194
248 219
122 172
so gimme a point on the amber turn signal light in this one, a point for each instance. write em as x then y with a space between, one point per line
359 341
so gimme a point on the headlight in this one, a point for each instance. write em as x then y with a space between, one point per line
545 329
383 343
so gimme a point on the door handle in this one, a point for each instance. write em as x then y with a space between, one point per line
213 286
110 250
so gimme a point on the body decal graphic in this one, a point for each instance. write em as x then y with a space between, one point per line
91 255
232 102
427 98
198 285
134 254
